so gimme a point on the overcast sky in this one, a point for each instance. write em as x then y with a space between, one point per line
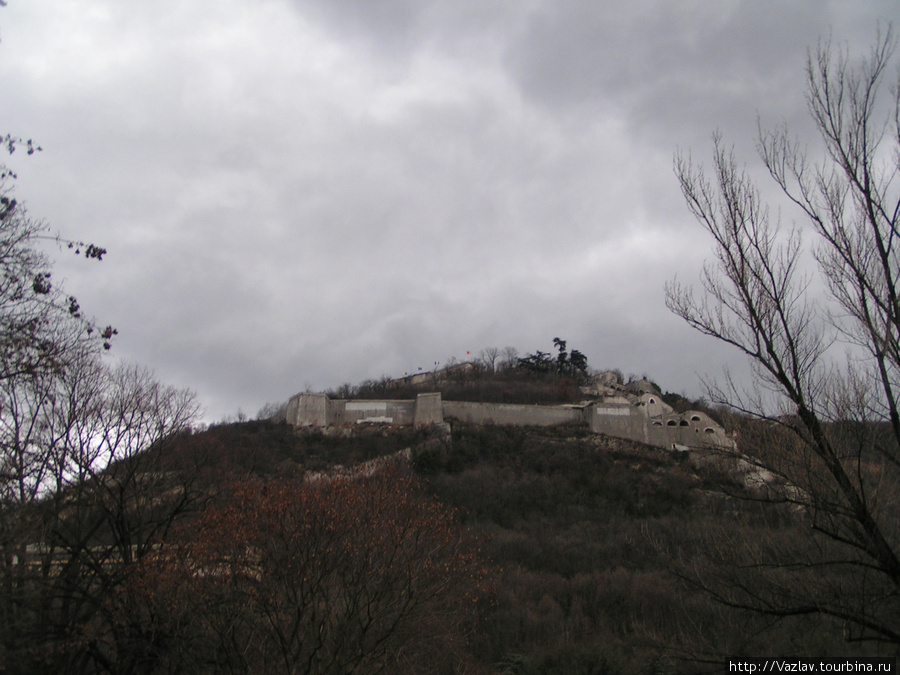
300 193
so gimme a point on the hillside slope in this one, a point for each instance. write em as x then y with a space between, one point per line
591 540
483 549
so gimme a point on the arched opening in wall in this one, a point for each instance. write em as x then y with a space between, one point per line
683 423
672 423
709 430
657 424
652 400
695 418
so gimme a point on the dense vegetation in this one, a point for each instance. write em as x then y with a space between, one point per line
508 386
536 378
597 539
575 552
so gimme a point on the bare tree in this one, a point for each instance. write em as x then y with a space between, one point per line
825 393
488 357
333 576
85 495
510 358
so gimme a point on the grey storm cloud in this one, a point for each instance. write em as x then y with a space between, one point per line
299 193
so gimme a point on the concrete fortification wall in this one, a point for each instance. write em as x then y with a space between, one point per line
384 412
512 414
690 429
621 421
640 416
429 410
317 410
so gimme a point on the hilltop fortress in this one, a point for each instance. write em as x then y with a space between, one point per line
634 411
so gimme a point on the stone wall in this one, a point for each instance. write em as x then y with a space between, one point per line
384 412
317 410
429 410
646 424
308 410
512 414
645 419
619 420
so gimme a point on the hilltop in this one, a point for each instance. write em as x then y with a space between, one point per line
532 391
374 544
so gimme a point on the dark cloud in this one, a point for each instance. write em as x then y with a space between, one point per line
306 193
676 70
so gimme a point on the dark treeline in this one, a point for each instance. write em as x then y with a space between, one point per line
496 376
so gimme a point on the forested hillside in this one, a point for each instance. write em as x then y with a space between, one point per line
495 550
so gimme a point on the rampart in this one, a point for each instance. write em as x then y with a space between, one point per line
675 431
317 410
510 414
641 417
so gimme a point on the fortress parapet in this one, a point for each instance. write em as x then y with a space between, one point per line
638 416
